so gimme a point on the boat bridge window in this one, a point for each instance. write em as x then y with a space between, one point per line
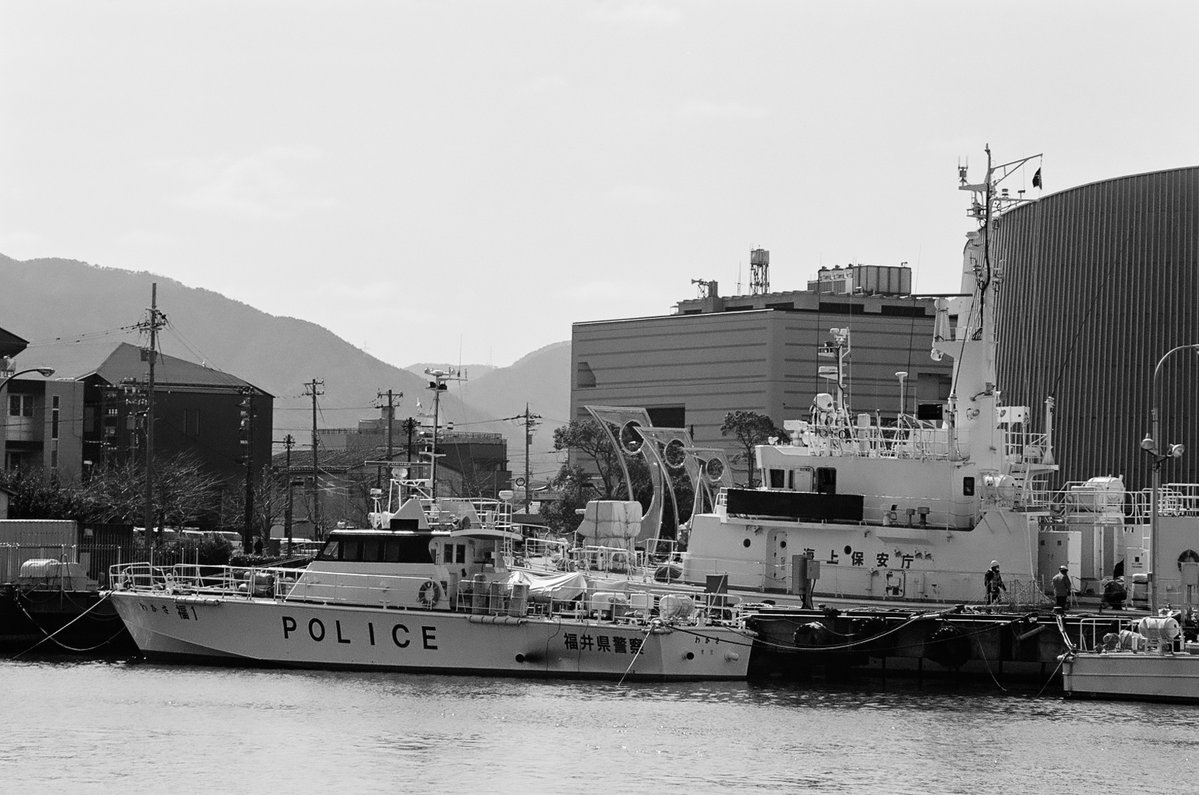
796 479
455 553
377 549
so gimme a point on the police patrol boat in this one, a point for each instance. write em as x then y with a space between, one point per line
409 596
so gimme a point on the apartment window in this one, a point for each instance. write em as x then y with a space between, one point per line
584 376
55 409
191 423
20 405
54 454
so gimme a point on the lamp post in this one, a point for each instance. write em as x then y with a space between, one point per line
46 372
901 375
1150 445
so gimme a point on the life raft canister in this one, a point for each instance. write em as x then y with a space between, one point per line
430 594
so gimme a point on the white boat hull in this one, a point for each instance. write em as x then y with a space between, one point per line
267 631
1123 674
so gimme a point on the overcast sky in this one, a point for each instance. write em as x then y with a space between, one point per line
461 181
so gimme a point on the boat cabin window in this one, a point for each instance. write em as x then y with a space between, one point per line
378 549
968 487
826 480
794 479
454 553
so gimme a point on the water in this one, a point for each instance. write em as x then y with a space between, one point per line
131 726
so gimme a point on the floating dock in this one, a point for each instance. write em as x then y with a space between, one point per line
953 640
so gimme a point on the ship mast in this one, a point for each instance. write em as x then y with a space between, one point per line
974 411
437 386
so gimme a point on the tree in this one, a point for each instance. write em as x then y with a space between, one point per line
585 436
600 478
270 500
561 515
184 493
750 430
37 494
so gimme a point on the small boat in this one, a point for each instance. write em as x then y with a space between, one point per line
411 597
1155 657
1147 659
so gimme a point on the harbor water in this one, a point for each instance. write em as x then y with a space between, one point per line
121 726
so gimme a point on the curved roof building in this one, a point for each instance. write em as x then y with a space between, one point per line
1098 283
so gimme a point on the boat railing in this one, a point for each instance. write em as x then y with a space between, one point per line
481 596
1079 498
1027 447
1173 499
610 560
1119 634
643 606
191 578
543 554
910 438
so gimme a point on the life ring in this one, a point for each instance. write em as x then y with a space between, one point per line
430 594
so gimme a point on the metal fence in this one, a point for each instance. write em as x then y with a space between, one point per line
95 558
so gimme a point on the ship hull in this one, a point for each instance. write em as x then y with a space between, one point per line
276 632
863 562
1124 675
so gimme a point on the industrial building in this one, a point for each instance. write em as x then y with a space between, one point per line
759 352
1098 283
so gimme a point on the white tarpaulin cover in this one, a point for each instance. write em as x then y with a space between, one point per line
611 522
544 587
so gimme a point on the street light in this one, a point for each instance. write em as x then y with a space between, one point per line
1150 445
45 371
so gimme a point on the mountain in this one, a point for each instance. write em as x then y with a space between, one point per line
540 380
59 302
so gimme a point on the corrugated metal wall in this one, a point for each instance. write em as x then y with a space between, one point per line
1099 282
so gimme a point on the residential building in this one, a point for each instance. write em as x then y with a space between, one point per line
92 411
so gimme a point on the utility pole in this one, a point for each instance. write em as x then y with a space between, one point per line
530 425
313 388
390 407
246 407
288 442
153 322
410 426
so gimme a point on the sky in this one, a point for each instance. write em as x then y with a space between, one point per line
461 181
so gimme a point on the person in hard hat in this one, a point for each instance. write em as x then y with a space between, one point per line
1061 586
993 581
